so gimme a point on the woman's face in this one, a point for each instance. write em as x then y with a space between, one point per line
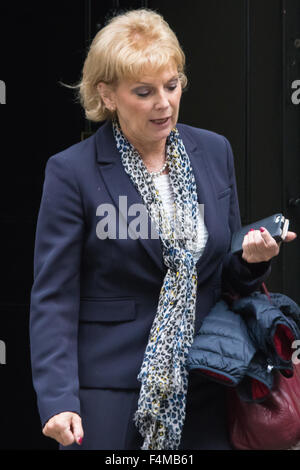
148 108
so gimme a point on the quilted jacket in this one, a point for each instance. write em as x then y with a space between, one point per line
244 343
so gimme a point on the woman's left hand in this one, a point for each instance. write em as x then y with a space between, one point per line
259 245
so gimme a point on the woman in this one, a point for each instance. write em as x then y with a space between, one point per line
117 297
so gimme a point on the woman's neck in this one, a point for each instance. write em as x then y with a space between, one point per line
154 159
153 154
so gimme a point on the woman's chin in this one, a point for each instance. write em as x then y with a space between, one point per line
162 133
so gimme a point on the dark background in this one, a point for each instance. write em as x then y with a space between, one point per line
242 58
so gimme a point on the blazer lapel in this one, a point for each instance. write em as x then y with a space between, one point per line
206 196
119 184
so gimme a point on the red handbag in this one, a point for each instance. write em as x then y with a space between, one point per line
273 424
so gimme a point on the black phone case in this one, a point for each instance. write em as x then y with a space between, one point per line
274 224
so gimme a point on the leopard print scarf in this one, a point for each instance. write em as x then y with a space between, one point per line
163 374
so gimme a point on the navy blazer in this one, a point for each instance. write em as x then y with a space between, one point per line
93 300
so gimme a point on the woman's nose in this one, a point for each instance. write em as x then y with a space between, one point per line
162 101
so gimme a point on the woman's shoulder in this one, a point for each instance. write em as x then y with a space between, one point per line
198 133
75 153
216 147
84 151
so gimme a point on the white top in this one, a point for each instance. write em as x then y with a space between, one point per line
163 185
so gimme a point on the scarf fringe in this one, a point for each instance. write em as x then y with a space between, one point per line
157 436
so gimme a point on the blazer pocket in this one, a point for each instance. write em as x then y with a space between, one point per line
107 310
224 193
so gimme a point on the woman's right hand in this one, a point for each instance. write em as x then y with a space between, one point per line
65 428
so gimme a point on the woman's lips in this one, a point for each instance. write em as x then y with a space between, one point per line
160 122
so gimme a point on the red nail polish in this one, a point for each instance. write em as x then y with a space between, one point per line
252 229
262 229
80 440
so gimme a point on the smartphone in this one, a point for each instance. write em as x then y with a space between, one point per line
276 224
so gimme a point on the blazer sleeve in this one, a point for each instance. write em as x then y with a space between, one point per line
238 276
55 293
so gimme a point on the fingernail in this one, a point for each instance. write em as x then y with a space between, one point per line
262 229
252 229
80 441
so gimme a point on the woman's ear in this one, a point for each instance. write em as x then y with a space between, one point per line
106 93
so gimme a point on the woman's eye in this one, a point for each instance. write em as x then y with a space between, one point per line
143 95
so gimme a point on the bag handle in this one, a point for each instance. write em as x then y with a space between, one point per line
264 290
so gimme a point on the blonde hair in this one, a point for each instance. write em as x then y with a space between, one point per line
130 44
